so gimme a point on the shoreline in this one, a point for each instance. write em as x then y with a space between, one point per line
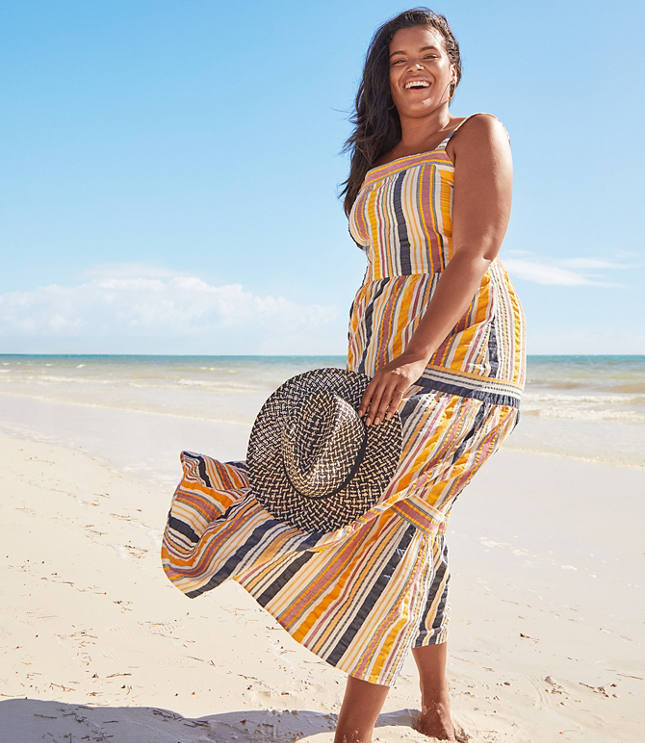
544 639
153 439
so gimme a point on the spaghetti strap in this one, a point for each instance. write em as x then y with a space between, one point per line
445 141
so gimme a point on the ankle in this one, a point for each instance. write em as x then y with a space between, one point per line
435 695
435 702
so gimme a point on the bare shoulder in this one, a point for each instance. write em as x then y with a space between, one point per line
480 133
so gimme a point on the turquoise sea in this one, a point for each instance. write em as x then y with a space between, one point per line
583 406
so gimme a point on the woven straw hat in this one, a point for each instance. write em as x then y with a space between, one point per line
311 459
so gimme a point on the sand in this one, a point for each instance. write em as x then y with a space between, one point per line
545 643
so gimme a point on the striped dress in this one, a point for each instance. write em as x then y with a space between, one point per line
361 596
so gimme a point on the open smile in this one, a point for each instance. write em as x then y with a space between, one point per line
416 84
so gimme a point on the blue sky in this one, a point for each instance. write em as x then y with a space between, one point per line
170 171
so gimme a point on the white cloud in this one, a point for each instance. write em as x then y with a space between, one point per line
591 263
579 271
151 304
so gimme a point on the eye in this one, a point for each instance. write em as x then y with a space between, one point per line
397 61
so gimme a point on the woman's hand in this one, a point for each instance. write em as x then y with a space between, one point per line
386 389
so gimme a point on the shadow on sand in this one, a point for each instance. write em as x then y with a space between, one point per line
37 720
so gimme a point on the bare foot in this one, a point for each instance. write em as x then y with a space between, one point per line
434 720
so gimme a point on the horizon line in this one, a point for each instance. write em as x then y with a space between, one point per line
269 355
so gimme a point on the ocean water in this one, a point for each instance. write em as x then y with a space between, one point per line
581 406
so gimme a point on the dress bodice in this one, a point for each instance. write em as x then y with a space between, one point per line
402 219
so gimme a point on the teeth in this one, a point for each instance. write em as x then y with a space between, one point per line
417 84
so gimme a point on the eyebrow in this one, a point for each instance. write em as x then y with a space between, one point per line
422 49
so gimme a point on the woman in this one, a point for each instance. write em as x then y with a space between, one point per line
437 326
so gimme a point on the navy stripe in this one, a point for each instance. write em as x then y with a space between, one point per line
234 560
367 322
404 242
441 608
378 587
202 472
441 574
479 419
183 528
201 466
492 350
408 408
496 398
443 256
240 554
278 583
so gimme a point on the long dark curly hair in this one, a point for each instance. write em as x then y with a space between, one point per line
378 127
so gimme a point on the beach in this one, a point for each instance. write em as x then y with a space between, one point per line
546 632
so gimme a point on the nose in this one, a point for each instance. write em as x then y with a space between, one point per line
416 65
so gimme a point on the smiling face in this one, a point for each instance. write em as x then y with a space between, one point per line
420 71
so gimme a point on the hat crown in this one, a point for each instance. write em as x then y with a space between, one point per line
312 461
320 443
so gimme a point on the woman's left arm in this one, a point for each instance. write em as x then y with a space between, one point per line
481 210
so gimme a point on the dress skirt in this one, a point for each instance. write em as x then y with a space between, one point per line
361 596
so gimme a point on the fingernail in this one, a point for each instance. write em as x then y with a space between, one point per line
378 420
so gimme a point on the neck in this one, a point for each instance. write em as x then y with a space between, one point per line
415 131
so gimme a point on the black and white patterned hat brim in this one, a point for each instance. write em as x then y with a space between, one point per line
272 486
